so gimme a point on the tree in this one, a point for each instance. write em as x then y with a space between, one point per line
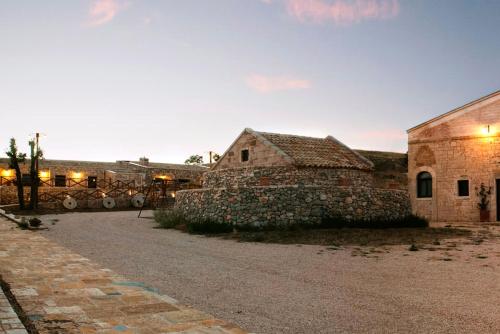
216 156
35 155
15 159
195 159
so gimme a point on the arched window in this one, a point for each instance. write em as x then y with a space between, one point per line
424 185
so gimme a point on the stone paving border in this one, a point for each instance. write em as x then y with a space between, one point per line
63 292
9 321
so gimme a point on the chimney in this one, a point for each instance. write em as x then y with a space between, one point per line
144 161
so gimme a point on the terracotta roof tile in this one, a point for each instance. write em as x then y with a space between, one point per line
317 152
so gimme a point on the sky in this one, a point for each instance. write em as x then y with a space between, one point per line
113 80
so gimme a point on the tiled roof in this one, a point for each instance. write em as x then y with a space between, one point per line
316 152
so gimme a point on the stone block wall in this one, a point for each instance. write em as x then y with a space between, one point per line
285 175
284 195
291 204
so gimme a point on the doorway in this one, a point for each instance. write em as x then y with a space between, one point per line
498 199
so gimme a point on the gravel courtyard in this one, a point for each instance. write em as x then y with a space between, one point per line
272 288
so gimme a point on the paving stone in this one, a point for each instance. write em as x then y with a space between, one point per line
63 292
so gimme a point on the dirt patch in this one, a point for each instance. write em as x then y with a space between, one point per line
355 236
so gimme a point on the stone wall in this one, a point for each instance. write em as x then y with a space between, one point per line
8 195
260 154
455 148
285 175
290 204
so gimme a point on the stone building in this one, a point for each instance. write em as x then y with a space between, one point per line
64 175
267 178
450 156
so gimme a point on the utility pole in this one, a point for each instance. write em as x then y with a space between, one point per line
37 137
210 155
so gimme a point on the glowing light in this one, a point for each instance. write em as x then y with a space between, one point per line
172 194
103 194
44 174
76 175
488 130
163 177
7 172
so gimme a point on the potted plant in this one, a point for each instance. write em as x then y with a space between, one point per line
484 203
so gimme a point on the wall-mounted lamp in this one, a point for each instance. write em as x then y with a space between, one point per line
486 130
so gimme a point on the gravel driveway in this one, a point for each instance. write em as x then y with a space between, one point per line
270 288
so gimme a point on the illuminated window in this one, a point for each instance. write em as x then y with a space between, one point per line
245 155
463 187
424 185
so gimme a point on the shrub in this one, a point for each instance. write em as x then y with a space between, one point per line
208 226
405 222
169 218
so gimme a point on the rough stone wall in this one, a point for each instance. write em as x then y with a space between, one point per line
285 175
286 195
452 150
290 204
260 154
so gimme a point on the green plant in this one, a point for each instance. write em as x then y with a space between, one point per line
169 218
35 222
483 193
208 226
195 159
23 224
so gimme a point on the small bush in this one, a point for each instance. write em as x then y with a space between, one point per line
208 226
169 218
405 222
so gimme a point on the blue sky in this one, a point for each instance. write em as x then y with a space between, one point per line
113 79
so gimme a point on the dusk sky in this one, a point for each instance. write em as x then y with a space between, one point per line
119 79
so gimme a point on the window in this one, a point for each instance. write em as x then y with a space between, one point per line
60 181
244 155
92 182
463 187
424 185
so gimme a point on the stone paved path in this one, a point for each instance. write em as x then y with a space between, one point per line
9 322
63 292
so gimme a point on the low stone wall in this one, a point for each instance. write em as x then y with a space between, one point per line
290 204
285 175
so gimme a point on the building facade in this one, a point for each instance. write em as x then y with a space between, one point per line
267 178
60 178
450 157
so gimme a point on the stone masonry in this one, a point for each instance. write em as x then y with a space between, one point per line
463 144
62 292
290 179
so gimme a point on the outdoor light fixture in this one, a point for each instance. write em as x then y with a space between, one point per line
77 175
486 130
44 174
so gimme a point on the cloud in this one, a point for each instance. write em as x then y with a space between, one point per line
268 84
103 11
341 12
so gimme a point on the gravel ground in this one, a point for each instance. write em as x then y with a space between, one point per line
270 288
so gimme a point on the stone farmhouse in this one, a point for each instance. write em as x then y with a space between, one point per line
266 178
450 156
60 178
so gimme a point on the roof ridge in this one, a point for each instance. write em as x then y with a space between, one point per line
469 104
287 134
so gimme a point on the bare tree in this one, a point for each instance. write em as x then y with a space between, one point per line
35 155
15 159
